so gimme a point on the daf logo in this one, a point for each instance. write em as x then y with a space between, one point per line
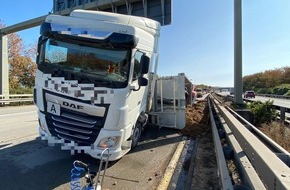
71 105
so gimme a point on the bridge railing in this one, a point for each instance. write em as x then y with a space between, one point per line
16 98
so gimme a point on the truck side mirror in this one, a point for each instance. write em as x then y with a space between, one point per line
142 81
144 62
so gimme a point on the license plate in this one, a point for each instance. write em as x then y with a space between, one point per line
53 108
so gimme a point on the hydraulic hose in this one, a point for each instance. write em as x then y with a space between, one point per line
79 167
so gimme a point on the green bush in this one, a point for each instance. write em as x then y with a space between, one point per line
262 112
264 91
199 95
281 89
21 90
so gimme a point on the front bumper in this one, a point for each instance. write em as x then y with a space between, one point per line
121 148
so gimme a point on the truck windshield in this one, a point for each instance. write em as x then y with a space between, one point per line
103 67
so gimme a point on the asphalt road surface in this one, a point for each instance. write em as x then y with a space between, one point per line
26 162
278 102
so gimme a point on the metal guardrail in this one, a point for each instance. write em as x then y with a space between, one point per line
282 111
276 148
224 177
246 170
16 98
274 96
261 135
271 170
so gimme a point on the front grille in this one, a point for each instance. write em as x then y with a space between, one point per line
73 126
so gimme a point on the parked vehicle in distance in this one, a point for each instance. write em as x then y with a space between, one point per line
249 94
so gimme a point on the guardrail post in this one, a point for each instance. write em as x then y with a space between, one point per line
4 82
282 114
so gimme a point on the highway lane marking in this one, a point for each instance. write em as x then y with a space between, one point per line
9 114
165 181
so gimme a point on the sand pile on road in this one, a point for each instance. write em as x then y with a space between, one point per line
197 120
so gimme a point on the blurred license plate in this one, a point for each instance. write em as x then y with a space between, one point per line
53 108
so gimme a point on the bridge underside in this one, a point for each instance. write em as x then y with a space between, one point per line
159 10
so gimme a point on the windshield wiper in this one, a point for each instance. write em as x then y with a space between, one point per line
84 74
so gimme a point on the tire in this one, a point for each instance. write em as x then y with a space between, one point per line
136 135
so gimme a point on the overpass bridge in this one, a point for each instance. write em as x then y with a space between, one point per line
160 10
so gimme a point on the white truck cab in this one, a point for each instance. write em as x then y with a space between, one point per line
93 82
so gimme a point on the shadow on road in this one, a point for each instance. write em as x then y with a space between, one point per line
34 165
153 137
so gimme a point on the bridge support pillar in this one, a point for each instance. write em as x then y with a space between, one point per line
238 77
4 71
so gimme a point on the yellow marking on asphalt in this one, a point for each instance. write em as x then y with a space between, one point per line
163 185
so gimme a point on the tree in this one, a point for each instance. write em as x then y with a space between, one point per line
267 81
22 67
286 75
21 72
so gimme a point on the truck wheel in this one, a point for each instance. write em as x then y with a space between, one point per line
136 135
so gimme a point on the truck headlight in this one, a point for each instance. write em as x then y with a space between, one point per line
109 142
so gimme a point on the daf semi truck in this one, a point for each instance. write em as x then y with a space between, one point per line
95 80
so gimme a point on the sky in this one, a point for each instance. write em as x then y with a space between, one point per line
200 40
